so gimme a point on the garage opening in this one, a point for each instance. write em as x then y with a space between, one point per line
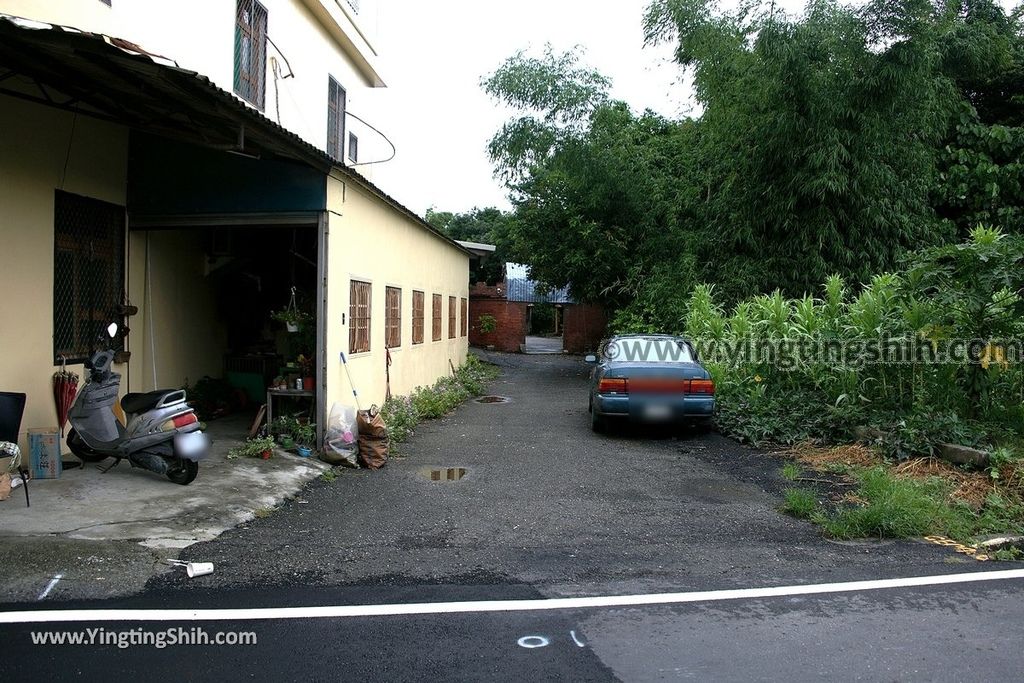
544 328
232 314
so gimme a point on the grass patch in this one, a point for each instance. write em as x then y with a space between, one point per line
890 507
799 503
916 497
403 413
262 513
330 476
791 471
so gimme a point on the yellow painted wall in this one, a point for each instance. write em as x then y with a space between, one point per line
34 143
370 241
190 340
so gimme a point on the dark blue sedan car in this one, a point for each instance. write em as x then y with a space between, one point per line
649 378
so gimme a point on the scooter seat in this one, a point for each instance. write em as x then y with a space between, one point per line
140 403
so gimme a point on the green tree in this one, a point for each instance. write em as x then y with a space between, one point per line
487 226
819 135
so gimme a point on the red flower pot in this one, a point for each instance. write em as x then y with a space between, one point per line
308 383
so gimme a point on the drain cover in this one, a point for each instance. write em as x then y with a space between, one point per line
493 399
446 473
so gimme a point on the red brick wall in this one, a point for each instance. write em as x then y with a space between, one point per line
510 330
584 325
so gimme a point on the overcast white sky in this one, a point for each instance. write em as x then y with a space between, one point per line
433 54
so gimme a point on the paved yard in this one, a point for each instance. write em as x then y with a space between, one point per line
548 509
547 503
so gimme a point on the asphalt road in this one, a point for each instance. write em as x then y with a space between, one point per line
548 509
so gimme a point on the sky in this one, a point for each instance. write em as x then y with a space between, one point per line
433 55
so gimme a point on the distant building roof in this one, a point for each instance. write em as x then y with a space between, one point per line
477 248
519 287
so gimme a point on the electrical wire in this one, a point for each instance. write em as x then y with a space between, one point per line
394 151
67 155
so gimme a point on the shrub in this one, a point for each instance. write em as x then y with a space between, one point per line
403 413
773 391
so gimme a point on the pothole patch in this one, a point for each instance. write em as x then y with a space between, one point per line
444 473
493 399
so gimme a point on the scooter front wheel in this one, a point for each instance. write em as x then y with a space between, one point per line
81 451
182 471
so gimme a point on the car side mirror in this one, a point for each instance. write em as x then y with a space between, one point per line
590 358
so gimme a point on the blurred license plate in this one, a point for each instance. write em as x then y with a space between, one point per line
190 445
657 412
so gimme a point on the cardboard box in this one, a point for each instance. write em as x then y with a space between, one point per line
44 453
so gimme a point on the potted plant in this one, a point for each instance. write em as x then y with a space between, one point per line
284 429
306 368
305 437
292 318
260 447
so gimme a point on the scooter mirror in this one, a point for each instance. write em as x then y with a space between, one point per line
112 330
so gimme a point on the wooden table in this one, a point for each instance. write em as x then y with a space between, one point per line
289 393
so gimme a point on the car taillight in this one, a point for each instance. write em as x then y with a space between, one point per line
178 422
613 385
702 386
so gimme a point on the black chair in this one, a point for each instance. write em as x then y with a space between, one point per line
12 408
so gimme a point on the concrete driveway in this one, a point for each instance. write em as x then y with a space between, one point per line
108 532
548 503
548 509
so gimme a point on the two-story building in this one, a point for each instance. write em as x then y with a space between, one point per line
184 167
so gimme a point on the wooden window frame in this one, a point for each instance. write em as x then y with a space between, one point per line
464 319
452 317
392 317
360 322
251 73
437 331
337 102
418 312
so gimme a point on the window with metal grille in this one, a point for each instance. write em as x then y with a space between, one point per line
335 119
437 318
359 317
464 321
392 317
251 52
417 317
88 275
353 148
451 317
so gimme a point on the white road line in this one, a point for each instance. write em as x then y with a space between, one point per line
469 607
49 586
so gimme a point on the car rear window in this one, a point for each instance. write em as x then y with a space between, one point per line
648 350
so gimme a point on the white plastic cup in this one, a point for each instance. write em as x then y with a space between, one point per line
195 569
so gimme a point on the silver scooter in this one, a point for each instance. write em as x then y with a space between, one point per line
162 435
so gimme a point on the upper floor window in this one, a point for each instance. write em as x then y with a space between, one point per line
335 119
353 148
251 52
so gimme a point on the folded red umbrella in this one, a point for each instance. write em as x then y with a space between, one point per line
65 388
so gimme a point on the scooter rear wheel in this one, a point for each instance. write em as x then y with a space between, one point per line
81 451
183 471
